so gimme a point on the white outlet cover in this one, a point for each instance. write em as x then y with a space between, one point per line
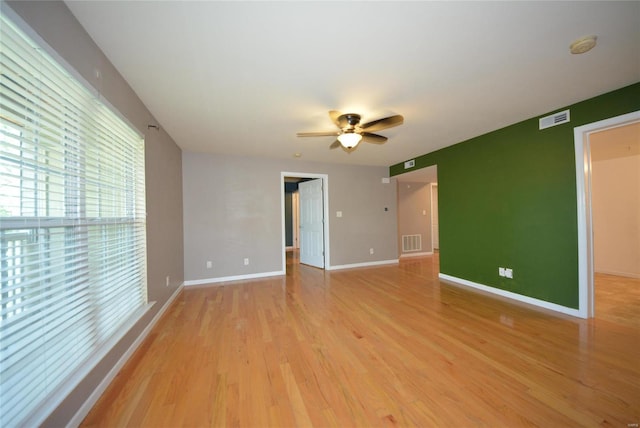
338 213
508 273
501 271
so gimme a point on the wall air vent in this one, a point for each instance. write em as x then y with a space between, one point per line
411 243
554 119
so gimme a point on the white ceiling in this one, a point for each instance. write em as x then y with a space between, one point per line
244 77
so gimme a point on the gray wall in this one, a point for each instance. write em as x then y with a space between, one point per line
57 26
232 211
413 200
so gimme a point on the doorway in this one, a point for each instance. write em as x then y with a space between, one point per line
418 225
586 267
312 226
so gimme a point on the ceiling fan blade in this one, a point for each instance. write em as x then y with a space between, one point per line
334 115
318 134
335 145
384 123
373 138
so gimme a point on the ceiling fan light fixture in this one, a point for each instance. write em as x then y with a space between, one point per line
349 139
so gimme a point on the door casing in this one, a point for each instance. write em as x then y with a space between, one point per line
583 190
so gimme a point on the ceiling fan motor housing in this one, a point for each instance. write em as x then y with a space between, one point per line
349 120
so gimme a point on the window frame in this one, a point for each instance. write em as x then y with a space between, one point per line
76 224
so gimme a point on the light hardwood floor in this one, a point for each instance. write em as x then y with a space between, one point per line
383 346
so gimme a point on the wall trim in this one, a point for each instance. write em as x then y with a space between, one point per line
424 253
365 264
93 398
233 278
513 296
431 198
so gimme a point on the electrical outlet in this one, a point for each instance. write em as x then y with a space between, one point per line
209 264
508 273
167 280
370 250
501 271
246 261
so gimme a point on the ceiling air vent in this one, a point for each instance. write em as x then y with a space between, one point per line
554 119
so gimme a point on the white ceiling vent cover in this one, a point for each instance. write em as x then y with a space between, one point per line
554 119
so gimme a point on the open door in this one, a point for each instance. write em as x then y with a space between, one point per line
311 223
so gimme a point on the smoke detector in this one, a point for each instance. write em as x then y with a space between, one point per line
583 44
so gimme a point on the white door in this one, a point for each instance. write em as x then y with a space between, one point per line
295 202
311 223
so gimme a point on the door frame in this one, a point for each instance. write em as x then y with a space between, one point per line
325 213
586 291
434 213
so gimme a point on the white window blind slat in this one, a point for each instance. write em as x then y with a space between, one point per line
41 296
72 226
23 347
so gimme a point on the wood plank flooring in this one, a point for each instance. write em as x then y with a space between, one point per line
618 299
383 346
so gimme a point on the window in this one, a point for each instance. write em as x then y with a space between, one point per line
72 228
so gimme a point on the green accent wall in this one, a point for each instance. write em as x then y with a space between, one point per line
508 198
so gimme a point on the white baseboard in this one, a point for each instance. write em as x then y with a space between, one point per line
106 381
234 278
513 296
624 274
407 255
365 264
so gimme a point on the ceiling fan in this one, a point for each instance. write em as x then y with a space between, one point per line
351 131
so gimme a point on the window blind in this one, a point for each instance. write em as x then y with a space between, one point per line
72 226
